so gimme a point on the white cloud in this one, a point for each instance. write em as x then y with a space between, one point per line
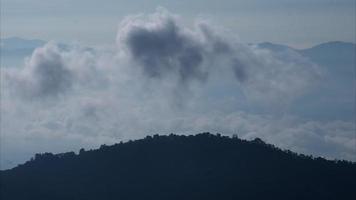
45 74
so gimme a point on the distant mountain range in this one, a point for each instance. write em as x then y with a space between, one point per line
328 54
16 43
333 98
203 166
15 49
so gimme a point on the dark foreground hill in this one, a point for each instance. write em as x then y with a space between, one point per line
203 166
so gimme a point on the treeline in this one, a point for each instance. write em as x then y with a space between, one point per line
202 166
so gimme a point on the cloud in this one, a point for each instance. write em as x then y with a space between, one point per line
166 50
163 47
53 71
45 74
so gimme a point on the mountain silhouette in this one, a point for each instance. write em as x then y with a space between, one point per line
202 166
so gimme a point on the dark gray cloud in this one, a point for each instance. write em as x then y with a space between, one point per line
240 70
162 47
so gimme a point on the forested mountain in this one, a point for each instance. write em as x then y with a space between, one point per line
202 166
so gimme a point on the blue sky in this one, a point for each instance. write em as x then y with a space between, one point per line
298 23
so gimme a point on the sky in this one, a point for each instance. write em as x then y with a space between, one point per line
120 70
299 24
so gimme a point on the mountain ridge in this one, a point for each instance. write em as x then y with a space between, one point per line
202 166
33 43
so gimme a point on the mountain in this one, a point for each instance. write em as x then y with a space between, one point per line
330 48
20 43
338 57
15 49
333 96
203 166
274 47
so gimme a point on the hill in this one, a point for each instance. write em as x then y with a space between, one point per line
202 166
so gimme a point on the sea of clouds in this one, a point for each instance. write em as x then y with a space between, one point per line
162 77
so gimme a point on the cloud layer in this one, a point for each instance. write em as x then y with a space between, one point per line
161 77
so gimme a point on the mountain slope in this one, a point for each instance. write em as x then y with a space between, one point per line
333 96
336 89
203 166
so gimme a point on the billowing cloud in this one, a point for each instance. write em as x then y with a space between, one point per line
163 47
45 74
